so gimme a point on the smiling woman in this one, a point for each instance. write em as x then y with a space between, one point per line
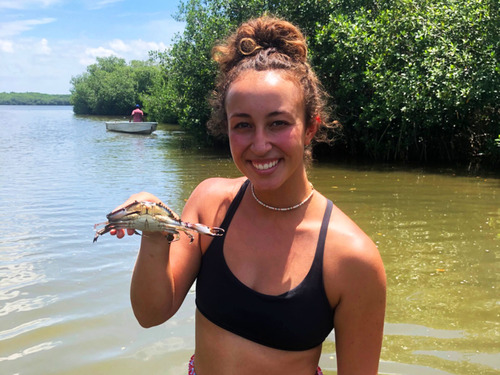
290 265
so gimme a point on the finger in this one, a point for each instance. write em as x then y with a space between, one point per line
130 231
120 233
112 232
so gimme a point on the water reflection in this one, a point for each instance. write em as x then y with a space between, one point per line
34 349
23 298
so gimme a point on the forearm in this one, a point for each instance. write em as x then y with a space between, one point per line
152 286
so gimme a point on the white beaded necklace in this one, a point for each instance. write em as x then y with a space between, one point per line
285 208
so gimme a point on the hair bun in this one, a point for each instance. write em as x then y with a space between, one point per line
264 35
271 33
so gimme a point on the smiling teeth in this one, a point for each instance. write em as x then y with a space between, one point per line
266 165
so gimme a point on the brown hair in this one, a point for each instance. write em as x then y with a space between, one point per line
268 43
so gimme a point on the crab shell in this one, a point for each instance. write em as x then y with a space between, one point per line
152 217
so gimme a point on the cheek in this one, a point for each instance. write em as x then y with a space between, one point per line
237 147
298 137
237 143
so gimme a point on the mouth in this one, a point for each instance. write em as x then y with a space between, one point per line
264 166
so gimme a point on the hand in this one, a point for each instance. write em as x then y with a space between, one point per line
143 196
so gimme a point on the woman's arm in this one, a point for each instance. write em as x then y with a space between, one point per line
162 276
163 272
359 316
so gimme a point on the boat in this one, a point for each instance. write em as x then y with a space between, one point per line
131 127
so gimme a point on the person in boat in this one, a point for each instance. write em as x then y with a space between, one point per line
291 266
137 114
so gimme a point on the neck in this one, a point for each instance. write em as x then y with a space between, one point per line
291 205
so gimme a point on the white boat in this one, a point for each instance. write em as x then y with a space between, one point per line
131 127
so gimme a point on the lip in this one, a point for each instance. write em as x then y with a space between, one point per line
264 166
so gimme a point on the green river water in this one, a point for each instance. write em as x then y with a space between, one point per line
64 303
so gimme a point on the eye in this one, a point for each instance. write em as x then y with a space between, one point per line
241 125
279 124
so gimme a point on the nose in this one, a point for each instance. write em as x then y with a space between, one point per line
261 143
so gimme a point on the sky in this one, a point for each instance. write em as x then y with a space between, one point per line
44 43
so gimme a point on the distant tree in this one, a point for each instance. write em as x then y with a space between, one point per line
33 98
111 86
160 100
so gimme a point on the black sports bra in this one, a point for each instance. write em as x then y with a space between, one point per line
299 319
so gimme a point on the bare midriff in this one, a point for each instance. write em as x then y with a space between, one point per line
221 352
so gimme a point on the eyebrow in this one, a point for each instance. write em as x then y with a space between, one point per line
239 115
272 114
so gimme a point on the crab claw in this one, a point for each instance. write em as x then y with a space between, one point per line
100 232
205 229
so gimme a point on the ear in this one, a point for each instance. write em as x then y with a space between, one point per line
311 131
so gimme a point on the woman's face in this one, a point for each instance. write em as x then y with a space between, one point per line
266 128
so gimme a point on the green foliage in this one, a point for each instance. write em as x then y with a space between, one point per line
159 99
112 87
189 72
415 79
32 98
409 79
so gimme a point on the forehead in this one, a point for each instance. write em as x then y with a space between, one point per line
264 86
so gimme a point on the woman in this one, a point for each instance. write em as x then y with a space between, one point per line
291 266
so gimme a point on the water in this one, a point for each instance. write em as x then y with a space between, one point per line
64 301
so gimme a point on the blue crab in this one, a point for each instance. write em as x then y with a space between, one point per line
152 217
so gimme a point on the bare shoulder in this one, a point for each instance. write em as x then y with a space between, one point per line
348 240
351 257
209 201
213 191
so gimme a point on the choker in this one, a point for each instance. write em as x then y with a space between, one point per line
285 208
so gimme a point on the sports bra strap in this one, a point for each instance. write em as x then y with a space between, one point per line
324 229
234 205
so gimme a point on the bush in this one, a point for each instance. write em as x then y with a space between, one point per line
111 87
415 80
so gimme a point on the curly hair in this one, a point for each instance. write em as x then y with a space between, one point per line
268 43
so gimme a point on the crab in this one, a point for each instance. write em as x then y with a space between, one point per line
152 217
